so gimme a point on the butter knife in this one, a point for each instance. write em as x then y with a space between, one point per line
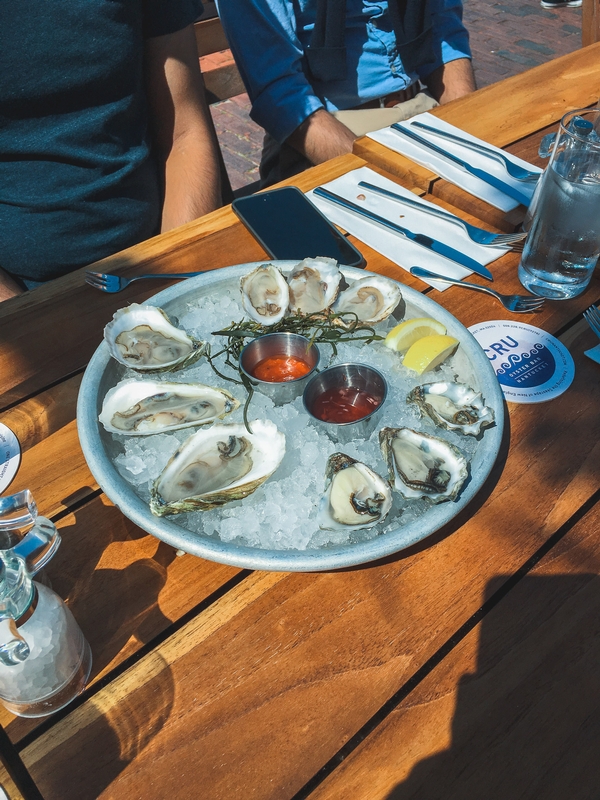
502 186
514 170
418 238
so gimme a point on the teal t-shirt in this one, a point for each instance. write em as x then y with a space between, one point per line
77 178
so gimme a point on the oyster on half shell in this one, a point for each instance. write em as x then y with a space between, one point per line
314 285
355 496
143 338
265 294
453 406
422 466
372 299
138 408
216 466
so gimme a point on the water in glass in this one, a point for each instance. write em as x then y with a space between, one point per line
563 245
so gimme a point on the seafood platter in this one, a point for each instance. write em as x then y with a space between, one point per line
195 449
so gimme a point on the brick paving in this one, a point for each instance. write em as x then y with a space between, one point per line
506 38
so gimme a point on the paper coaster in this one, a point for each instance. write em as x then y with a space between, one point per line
530 364
10 456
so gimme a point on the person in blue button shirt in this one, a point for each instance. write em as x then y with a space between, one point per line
313 93
105 135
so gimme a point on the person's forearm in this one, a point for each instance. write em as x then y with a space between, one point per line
192 181
321 137
452 80
8 287
184 137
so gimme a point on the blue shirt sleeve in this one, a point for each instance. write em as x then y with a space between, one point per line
268 38
450 37
269 56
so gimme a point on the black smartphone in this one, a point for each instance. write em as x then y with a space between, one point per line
290 227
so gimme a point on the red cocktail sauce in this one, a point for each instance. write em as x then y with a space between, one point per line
344 404
276 369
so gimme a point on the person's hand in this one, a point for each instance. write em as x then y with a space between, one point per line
321 137
452 80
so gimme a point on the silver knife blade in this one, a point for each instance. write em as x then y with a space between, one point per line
418 238
594 353
501 185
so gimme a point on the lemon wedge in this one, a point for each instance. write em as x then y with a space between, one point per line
428 352
408 332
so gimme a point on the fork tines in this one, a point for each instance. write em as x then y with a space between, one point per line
592 317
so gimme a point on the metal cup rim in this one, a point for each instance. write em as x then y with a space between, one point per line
287 335
339 366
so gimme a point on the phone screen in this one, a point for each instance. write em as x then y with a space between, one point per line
289 226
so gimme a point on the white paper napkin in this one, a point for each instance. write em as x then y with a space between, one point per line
451 172
397 248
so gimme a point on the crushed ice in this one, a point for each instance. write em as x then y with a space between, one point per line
281 514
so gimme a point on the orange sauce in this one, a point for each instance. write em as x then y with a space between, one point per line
276 369
344 404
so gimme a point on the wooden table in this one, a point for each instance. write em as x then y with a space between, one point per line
465 667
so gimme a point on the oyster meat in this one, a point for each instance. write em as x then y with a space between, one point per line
422 466
135 407
355 496
372 299
217 465
265 294
453 406
314 285
143 338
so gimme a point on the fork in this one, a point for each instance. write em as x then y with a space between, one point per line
478 235
116 283
592 317
517 303
514 170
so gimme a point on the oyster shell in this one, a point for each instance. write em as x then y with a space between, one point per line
217 465
422 465
265 294
135 407
372 299
355 496
143 338
454 406
314 285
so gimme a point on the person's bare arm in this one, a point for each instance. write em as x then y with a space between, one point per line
321 137
8 288
183 133
451 80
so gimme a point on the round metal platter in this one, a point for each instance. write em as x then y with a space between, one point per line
100 449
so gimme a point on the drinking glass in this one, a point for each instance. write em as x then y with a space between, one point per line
563 245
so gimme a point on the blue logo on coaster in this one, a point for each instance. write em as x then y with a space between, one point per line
533 366
530 364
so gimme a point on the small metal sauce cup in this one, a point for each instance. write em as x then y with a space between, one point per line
353 376
277 344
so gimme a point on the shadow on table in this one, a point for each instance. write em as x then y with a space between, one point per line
527 722
107 736
110 605
117 609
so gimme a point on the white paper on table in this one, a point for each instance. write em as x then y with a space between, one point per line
451 172
398 248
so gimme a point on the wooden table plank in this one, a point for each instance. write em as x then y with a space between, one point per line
274 692
513 710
